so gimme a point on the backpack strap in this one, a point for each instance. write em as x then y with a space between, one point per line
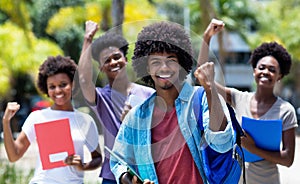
239 132
198 95
235 124
198 113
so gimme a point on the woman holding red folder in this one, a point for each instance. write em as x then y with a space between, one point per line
270 62
55 79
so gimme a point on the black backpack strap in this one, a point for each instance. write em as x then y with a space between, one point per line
235 124
239 132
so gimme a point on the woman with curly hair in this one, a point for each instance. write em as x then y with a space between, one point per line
160 138
270 62
55 79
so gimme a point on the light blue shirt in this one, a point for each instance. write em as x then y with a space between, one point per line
133 141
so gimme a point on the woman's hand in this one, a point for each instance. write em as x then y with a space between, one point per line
247 142
11 109
74 160
215 26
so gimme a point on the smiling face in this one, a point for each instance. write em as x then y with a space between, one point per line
267 72
112 62
164 70
60 91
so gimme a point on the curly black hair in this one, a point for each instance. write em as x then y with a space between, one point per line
277 51
52 66
109 39
162 37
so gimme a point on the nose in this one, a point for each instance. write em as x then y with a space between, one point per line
114 62
265 71
164 64
57 89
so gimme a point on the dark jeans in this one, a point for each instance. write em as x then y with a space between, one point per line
107 181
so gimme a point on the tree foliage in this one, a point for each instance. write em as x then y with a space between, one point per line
35 29
18 56
278 22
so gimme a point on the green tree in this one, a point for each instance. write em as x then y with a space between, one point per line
18 59
238 15
118 7
34 28
278 21
17 12
69 36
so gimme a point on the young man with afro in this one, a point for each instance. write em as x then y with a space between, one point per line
161 138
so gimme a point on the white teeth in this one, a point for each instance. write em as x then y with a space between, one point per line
264 79
164 76
115 69
59 96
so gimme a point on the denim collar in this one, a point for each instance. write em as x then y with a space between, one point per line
186 92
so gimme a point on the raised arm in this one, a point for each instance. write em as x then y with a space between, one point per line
15 149
205 75
214 27
85 65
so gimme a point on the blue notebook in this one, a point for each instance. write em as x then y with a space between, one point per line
265 133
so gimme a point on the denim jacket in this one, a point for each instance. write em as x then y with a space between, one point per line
133 141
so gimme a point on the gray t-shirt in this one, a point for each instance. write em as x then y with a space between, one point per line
263 171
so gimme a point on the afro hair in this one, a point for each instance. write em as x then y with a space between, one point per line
277 51
109 39
54 65
162 37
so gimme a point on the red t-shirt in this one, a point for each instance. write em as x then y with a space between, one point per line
173 160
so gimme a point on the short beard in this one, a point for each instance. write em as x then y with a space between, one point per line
166 87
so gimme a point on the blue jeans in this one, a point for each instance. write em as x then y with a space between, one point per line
107 181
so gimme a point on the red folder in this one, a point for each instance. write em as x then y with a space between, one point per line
55 142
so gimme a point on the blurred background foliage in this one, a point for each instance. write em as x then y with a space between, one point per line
9 174
31 30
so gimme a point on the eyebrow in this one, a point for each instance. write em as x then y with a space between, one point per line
266 65
110 55
60 82
172 56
